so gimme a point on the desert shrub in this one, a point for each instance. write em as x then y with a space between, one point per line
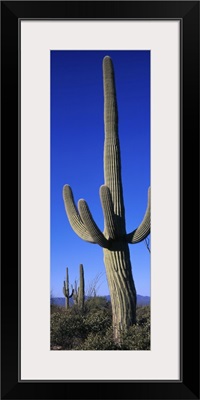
138 336
97 322
97 303
56 309
143 314
97 341
67 330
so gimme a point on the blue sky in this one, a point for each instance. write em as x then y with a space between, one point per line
77 140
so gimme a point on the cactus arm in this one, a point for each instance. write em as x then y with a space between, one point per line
109 217
143 229
66 292
73 215
69 297
95 233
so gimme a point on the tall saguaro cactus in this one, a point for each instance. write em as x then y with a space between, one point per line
79 292
66 290
114 239
81 289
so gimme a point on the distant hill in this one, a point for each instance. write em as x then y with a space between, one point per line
141 300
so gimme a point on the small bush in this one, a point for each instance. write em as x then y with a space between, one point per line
67 330
96 341
97 322
138 336
97 303
57 309
143 314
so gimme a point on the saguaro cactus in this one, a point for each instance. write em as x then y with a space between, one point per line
81 289
66 290
75 293
79 292
114 239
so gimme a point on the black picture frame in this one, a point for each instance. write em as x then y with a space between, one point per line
188 386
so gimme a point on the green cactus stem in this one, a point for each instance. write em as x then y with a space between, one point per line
66 290
79 292
114 239
75 293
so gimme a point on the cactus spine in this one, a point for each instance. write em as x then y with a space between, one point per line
79 292
114 239
66 290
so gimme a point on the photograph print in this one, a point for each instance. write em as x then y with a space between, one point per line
100 200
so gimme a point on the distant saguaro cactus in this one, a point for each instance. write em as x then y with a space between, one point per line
75 293
66 290
79 292
114 239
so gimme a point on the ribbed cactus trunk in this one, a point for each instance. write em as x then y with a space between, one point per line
117 257
122 289
114 239
81 290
